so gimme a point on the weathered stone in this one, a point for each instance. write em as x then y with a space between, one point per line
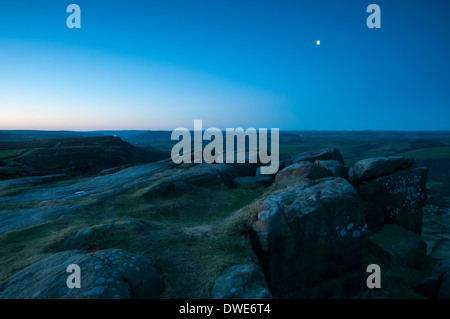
249 167
227 172
143 279
430 285
282 164
327 154
167 188
114 169
444 289
309 232
299 172
401 195
374 216
379 166
187 165
9 171
107 274
334 168
398 246
87 236
200 175
241 282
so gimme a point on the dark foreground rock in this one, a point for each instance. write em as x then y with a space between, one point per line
401 196
7 171
107 274
241 282
309 232
227 172
398 246
437 283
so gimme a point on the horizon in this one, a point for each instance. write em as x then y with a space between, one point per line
223 130
232 64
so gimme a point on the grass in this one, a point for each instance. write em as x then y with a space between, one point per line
191 238
11 153
18 206
428 153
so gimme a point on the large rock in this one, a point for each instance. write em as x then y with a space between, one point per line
248 168
183 181
437 283
299 172
374 216
398 246
227 172
9 171
444 289
374 167
88 236
327 154
168 188
107 274
401 196
241 282
309 232
334 168
200 175
114 170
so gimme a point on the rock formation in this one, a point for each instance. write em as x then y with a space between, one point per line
106 274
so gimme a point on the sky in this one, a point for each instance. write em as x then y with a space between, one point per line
159 65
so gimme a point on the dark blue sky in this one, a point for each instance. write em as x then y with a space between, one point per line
163 64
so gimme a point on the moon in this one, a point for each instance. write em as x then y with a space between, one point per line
318 42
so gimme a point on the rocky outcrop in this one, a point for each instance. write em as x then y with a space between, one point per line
298 172
397 246
168 188
327 154
107 274
241 282
9 171
395 186
182 182
437 283
200 175
191 175
227 172
114 169
334 168
90 235
370 168
374 216
309 232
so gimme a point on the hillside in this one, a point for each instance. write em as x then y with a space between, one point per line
72 156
